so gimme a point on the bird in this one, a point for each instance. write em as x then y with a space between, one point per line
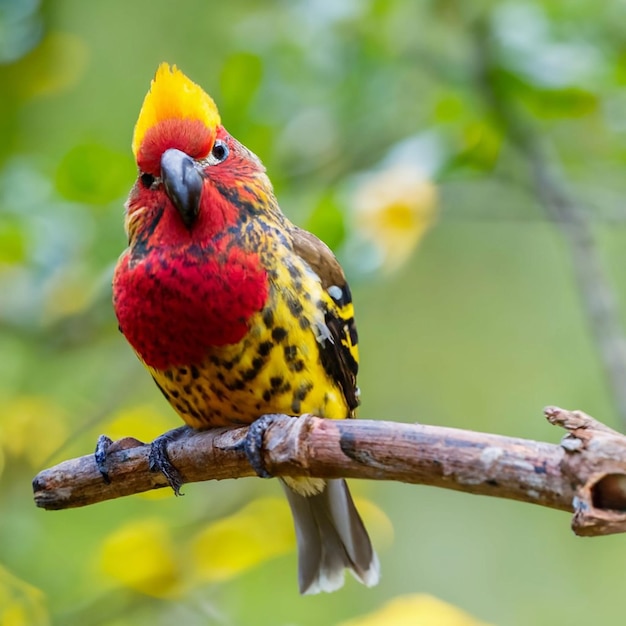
236 312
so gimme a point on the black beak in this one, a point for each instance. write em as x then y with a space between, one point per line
183 183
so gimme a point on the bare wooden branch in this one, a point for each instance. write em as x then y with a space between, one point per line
586 474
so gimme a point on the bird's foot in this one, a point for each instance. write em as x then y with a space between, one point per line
159 459
100 453
253 443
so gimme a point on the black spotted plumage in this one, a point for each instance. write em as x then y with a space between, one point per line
339 354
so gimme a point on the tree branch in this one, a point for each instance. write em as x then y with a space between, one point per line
586 474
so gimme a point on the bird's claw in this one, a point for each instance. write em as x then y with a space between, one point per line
253 443
159 460
102 447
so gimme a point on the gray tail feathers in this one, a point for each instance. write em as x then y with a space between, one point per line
331 538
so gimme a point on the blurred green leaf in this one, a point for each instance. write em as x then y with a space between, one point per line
548 102
479 149
21 604
449 107
12 241
94 174
54 66
327 221
240 79
620 68
565 102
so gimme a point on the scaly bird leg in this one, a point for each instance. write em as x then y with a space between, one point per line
253 443
160 461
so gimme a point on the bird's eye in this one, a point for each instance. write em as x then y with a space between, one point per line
147 180
220 151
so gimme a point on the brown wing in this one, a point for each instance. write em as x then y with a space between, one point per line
340 357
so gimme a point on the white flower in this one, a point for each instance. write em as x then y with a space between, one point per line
392 209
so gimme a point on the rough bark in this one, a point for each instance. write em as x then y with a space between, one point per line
585 474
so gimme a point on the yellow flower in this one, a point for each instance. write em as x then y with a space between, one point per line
26 415
232 545
418 609
259 532
141 555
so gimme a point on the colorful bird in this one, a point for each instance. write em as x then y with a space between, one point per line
236 312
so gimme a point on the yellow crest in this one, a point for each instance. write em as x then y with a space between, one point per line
173 96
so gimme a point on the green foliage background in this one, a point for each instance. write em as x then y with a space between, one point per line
480 330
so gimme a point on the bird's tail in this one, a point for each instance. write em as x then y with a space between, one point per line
331 538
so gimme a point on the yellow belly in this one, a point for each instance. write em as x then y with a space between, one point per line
276 368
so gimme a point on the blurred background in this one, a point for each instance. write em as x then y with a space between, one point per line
465 161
